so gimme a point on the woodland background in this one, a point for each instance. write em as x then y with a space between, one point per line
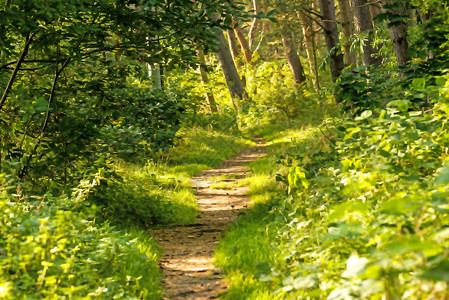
108 107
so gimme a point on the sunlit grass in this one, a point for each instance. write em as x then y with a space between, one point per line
160 191
223 185
246 250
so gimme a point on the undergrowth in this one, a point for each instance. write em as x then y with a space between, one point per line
92 242
359 210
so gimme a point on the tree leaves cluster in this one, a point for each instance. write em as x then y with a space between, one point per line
74 78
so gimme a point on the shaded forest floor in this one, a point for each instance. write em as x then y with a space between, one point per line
188 251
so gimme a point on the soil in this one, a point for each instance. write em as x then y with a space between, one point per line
188 251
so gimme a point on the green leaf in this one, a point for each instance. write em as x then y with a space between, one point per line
271 13
442 176
401 105
419 83
364 115
438 273
346 210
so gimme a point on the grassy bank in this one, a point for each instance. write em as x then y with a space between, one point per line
249 248
92 243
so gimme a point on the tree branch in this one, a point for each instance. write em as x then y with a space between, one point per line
16 69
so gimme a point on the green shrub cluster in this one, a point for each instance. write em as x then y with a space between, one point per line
365 213
49 252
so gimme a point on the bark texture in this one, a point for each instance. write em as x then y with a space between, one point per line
348 30
293 60
243 43
398 34
255 23
310 45
316 27
364 25
233 44
374 9
327 8
204 79
233 81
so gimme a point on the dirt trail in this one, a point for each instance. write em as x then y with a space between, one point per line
188 271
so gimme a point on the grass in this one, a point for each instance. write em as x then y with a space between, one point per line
247 250
159 192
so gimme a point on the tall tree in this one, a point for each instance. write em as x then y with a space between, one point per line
205 81
243 43
310 46
233 43
364 26
347 29
327 8
293 59
254 24
397 28
233 80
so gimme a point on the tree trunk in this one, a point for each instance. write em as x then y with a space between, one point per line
316 28
398 33
411 16
233 44
253 29
364 25
424 17
347 28
309 41
374 9
293 60
204 79
155 74
243 43
233 81
331 36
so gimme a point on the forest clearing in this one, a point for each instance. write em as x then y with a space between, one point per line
224 149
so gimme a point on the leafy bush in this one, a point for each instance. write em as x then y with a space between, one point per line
52 252
365 214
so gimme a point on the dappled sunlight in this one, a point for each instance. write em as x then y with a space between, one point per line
187 263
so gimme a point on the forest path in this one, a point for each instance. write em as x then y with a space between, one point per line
187 264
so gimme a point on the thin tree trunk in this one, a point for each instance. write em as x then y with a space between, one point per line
51 100
309 41
293 60
347 28
204 79
16 69
364 25
316 28
331 36
411 17
154 73
233 81
233 44
243 43
315 61
254 24
398 35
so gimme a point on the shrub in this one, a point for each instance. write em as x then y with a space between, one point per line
52 252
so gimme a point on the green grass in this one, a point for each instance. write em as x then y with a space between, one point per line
247 250
94 242
159 191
